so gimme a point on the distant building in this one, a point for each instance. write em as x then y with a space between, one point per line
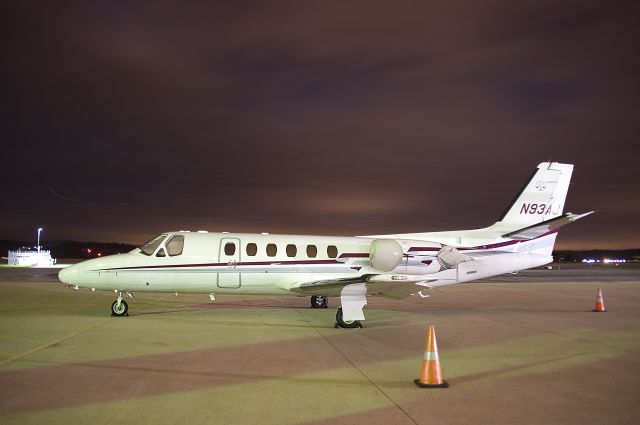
31 258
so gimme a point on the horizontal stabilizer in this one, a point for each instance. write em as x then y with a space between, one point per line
540 229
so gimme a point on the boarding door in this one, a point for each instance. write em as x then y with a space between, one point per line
229 256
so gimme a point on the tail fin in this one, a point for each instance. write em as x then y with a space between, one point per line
542 197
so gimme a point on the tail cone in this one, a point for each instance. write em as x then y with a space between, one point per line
430 374
599 303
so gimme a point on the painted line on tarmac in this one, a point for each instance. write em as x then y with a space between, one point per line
49 344
143 306
66 337
360 371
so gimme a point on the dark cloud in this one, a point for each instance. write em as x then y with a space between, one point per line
314 117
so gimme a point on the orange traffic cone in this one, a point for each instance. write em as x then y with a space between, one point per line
430 374
599 303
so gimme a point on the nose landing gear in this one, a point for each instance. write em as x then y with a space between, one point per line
119 307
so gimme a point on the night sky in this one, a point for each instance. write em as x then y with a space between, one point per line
124 119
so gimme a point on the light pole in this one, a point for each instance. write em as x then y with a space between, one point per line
39 230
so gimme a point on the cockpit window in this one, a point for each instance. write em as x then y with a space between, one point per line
149 247
175 245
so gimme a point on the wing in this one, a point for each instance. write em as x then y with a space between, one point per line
396 286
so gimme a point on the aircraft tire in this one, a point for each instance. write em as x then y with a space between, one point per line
319 301
349 324
122 311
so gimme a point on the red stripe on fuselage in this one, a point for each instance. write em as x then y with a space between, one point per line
239 263
489 246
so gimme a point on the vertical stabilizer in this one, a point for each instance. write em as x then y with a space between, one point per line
542 197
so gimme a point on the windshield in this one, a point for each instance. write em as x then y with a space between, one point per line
148 248
175 245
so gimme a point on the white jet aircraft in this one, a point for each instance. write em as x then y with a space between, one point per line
352 268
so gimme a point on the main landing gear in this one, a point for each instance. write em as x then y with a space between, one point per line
347 324
322 301
119 307
319 301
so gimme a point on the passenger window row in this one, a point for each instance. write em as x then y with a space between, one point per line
272 250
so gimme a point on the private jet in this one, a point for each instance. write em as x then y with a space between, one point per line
351 268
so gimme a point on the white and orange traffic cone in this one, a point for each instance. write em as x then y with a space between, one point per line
430 374
599 303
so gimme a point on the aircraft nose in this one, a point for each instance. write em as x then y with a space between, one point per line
68 274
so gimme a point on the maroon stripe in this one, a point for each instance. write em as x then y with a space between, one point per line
247 263
489 246
422 248
354 255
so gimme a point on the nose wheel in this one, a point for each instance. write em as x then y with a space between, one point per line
119 307
319 301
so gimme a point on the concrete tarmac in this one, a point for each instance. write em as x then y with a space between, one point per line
517 349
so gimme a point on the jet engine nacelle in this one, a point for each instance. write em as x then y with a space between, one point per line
385 254
449 257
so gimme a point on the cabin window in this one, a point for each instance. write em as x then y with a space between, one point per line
292 250
252 249
175 245
272 250
148 248
229 248
332 251
161 253
312 251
